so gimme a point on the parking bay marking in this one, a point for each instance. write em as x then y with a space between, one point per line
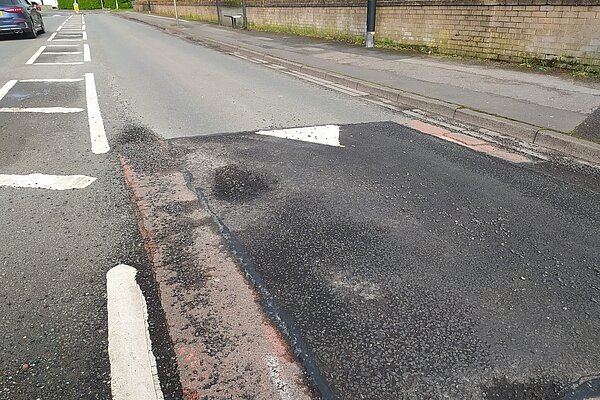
36 55
99 142
50 80
42 51
97 132
7 86
52 38
133 371
43 181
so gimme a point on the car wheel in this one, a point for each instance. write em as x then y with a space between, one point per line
33 33
43 28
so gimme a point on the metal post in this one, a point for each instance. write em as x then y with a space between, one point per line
371 7
245 19
117 3
219 12
176 14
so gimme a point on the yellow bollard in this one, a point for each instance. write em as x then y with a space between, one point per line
76 7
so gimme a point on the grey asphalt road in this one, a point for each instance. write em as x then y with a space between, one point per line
56 246
411 267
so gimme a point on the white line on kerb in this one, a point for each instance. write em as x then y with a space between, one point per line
132 363
43 181
86 53
97 133
7 86
51 37
43 110
325 134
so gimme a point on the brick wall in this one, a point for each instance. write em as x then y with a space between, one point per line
569 34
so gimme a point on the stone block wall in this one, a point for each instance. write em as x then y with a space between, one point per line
565 32
568 34
200 11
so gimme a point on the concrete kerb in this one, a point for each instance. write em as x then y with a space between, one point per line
554 140
584 150
516 129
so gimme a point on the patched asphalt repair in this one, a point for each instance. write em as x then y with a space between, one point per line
415 268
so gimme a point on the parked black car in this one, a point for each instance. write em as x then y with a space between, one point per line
21 17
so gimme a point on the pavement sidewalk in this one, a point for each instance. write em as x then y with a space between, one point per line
516 102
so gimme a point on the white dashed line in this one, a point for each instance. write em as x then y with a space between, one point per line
7 86
97 133
132 364
84 36
51 80
60 63
42 181
325 134
87 56
36 55
43 110
63 52
51 37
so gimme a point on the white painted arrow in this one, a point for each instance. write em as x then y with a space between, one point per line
324 134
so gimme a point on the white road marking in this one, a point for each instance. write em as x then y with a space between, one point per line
7 86
87 56
51 80
97 132
281 386
63 45
43 181
36 55
66 40
60 63
325 134
59 28
63 52
132 363
84 35
51 37
83 27
43 110
328 84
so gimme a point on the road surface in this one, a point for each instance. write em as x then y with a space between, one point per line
397 258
